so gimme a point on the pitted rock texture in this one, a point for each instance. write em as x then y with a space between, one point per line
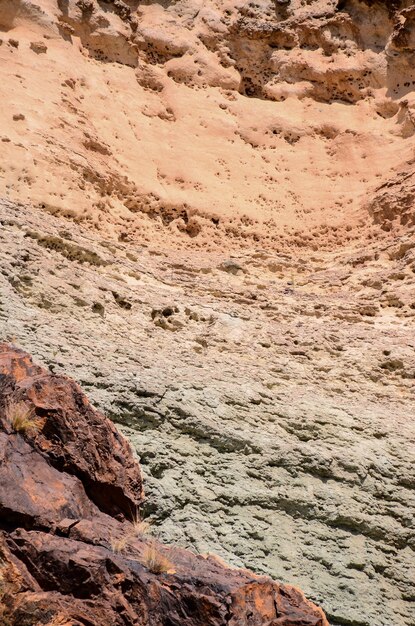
211 124
58 561
269 396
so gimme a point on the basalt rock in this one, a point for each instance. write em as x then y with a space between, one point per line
69 551
76 439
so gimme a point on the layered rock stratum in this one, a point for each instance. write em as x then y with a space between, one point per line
207 220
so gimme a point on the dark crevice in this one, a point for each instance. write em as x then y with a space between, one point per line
12 520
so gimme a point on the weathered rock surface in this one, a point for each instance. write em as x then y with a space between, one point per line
208 222
207 123
75 437
271 406
60 488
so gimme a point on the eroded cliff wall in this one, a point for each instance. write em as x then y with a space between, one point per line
208 122
208 222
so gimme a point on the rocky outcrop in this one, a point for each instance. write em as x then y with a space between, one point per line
393 203
72 548
77 440
207 220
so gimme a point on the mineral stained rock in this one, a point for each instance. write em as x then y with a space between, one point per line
70 555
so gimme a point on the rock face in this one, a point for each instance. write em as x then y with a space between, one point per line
269 396
76 438
69 550
209 123
207 221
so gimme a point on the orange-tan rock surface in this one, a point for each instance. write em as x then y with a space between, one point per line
216 122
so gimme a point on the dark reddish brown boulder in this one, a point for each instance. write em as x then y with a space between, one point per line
119 589
76 438
32 492
68 554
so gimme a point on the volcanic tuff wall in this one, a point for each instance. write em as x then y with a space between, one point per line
269 397
211 121
208 221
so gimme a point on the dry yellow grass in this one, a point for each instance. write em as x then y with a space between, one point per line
3 577
22 418
3 590
141 527
119 544
156 562
10 578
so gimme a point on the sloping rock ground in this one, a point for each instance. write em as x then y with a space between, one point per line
269 397
70 554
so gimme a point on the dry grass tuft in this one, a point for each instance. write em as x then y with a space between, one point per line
10 579
119 544
3 591
3 579
141 528
22 418
156 562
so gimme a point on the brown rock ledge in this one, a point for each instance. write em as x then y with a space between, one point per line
69 553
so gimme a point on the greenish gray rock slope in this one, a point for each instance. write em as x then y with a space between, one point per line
269 397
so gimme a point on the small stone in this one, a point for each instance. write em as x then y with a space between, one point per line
99 308
39 47
232 267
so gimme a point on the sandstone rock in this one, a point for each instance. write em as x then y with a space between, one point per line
232 267
392 204
253 85
39 47
274 425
